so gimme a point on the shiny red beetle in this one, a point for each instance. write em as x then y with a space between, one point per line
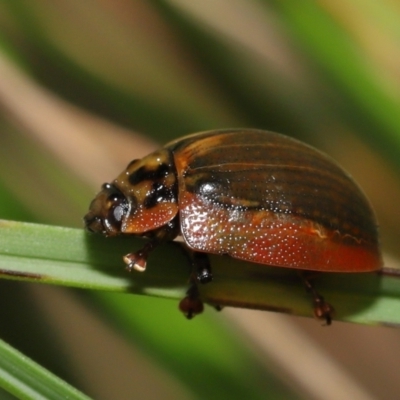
253 195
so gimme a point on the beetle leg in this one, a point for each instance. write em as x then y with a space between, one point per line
165 233
191 305
138 260
202 267
322 310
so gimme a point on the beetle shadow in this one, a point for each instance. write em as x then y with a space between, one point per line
258 286
235 282
168 266
350 293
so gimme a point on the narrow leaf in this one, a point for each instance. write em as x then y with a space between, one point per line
25 379
72 257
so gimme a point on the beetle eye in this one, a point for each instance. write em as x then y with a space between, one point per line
118 208
119 212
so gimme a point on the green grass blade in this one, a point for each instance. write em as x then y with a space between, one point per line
71 257
25 379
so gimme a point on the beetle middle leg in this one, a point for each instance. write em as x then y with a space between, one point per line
191 304
202 267
323 311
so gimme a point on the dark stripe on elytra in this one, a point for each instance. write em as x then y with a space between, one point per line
219 193
161 194
146 174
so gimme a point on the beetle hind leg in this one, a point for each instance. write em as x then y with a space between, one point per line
323 311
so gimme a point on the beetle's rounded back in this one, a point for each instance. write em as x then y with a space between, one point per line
267 198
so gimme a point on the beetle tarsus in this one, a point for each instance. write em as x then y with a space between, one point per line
138 260
323 311
191 305
135 261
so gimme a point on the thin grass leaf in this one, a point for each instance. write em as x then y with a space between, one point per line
71 257
25 379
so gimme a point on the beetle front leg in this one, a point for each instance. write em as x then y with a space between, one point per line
323 311
138 260
165 233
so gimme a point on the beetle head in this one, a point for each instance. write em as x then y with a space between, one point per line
142 199
107 211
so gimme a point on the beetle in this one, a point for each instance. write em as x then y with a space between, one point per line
249 194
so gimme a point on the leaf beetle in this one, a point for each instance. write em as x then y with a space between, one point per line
250 194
